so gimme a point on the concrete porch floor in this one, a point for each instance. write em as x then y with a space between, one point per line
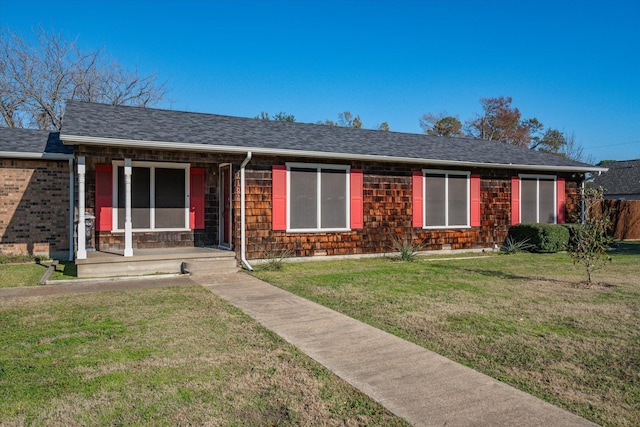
152 261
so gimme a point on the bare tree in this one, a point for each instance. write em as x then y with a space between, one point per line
590 240
572 149
35 80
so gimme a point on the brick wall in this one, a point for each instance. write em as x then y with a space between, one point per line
34 207
387 207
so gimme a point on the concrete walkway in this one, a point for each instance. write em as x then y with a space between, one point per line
416 384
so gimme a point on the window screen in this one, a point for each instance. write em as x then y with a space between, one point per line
140 197
547 201
446 199
333 196
435 200
529 200
166 190
317 198
170 198
538 200
303 195
458 200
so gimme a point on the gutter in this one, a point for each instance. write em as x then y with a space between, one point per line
185 146
35 156
243 245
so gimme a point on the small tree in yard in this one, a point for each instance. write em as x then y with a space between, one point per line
590 240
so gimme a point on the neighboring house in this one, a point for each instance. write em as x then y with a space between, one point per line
36 180
161 179
621 181
621 184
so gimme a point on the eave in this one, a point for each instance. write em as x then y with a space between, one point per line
34 156
182 146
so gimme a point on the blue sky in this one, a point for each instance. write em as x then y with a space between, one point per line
574 65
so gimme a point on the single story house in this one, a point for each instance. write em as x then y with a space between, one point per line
621 181
36 184
169 179
621 184
164 179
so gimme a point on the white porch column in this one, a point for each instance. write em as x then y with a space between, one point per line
82 232
71 202
128 237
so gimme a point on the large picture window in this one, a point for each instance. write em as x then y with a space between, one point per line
318 197
446 199
538 199
159 196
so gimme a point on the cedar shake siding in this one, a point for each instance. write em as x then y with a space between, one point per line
387 213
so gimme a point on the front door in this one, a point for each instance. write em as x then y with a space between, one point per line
225 206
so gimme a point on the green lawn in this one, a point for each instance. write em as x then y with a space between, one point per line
172 356
520 318
28 274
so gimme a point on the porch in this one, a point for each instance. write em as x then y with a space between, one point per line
157 260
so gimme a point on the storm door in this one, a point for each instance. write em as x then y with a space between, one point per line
225 206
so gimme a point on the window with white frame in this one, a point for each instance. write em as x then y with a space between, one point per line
159 196
446 199
317 197
538 199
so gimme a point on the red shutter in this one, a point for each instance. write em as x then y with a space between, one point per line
356 209
104 197
475 200
515 200
279 197
417 181
196 205
561 200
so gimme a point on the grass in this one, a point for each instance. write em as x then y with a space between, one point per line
30 272
521 319
172 356
18 258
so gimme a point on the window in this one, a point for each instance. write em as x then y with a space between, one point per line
446 199
538 199
317 197
159 196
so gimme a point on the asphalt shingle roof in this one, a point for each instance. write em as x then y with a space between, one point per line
32 141
621 178
146 124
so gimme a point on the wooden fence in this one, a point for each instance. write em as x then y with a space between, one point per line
625 218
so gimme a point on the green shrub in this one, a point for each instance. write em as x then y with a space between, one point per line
542 237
